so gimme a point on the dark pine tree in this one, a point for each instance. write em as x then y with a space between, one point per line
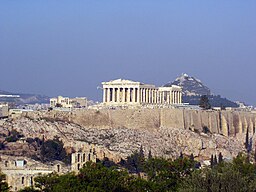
220 157
150 154
215 160
212 162
247 140
204 102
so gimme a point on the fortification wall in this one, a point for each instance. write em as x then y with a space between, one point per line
228 123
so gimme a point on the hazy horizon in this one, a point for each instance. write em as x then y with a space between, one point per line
68 48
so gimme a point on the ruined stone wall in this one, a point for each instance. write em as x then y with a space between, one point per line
19 176
228 123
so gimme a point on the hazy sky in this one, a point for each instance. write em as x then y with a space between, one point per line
64 47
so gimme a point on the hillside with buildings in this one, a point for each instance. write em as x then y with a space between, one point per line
22 98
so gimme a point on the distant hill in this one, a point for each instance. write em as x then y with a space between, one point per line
193 89
24 98
190 85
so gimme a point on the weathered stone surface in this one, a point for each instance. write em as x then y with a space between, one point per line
228 123
121 139
166 132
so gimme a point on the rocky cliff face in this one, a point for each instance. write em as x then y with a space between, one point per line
166 132
121 141
228 123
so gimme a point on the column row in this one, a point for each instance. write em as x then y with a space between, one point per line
169 97
148 95
121 95
141 95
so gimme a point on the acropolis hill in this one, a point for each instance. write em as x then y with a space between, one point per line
132 115
166 132
135 114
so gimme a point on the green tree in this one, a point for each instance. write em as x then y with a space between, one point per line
53 150
150 154
165 175
215 160
135 162
96 176
239 175
204 102
13 136
212 161
154 166
3 184
220 158
247 140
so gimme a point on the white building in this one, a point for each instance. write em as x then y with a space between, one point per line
60 102
66 102
126 92
4 110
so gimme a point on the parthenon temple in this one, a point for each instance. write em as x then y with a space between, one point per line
125 92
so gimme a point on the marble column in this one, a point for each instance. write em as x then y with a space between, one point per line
118 95
144 95
104 95
170 97
158 97
133 95
167 97
174 97
113 94
149 95
138 94
153 94
108 95
156 94
128 95
123 95
141 95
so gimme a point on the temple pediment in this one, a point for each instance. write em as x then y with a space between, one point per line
122 81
